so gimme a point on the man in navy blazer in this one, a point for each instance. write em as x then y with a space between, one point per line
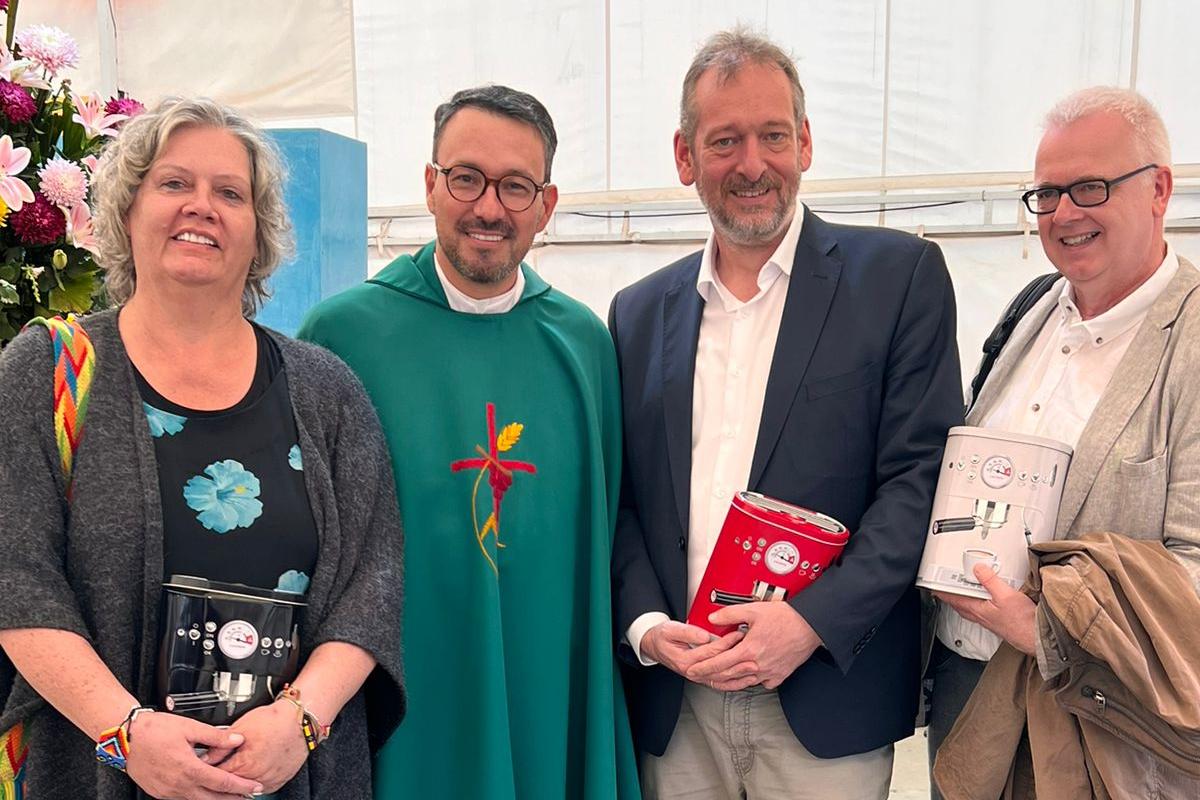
816 364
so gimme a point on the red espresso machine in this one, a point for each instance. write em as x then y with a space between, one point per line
767 550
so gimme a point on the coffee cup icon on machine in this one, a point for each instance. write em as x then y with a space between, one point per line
972 557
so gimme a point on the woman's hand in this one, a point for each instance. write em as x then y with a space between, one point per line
163 762
274 747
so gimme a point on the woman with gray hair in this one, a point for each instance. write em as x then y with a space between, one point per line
225 551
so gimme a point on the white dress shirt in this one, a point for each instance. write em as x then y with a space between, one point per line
469 305
1052 393
733 362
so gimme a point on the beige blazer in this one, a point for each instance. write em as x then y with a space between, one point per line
1136 470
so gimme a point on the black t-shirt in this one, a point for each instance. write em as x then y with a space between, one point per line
235 507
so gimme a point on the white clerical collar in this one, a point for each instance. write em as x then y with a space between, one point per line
1128 312
779 263
469 305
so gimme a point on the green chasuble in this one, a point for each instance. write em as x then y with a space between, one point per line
505 434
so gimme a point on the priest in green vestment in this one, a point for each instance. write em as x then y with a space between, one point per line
500 402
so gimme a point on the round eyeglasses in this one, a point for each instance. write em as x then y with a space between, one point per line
1085 194
467 184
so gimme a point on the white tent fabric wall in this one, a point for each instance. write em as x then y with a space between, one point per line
413 56
987 273
896 88
273 59
79 19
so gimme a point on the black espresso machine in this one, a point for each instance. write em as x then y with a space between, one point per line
226 647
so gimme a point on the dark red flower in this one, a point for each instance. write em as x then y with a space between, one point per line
16 103
39 222
123 105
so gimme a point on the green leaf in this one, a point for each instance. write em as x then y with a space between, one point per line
73 134
8 294
75 294
7 331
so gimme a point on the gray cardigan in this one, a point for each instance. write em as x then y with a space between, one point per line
94 566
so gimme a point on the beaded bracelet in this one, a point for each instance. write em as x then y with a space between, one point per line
112 748
310 726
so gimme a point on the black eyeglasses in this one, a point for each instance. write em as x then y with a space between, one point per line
1085 194
467 184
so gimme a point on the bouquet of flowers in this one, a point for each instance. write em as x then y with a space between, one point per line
51 137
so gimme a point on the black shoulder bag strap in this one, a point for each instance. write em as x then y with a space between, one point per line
996 340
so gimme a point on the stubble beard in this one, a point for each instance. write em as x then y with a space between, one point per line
748 231
480 272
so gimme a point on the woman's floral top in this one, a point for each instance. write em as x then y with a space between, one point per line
235 507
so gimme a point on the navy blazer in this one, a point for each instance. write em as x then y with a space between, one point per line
864 384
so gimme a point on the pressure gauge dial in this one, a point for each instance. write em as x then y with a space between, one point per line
782 558
237 639
997 472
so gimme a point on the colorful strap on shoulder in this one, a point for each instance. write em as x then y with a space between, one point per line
74 363
12 762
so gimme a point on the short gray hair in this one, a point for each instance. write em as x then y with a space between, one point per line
505 102
727 52
1154 146
128 158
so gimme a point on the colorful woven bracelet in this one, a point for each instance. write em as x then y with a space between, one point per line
112 748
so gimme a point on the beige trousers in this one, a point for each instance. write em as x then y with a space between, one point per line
738 745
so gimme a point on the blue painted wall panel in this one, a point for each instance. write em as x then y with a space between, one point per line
326 195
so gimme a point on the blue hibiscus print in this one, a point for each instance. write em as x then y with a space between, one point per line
226 499
162 422
294 460
293 581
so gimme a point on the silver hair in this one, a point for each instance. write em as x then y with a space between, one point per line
1150 133
128 158
727 52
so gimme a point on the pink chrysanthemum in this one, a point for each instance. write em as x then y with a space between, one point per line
123 105
49 47
63 182
39 222
15 102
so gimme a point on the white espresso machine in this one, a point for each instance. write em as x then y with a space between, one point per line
997 493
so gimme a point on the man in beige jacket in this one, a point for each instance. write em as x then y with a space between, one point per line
1107 361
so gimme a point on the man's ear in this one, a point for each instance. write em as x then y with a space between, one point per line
804 138
1164 184
431 176
684 164
549 201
